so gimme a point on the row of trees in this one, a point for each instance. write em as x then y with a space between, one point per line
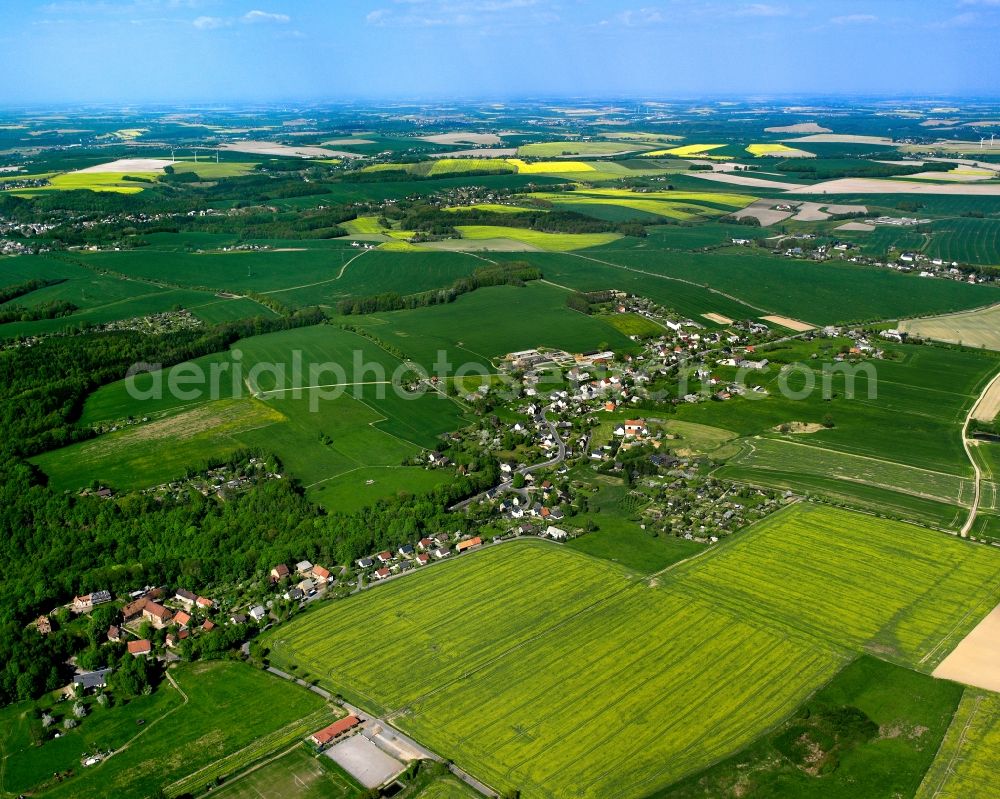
511 273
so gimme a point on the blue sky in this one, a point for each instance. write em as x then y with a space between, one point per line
242 50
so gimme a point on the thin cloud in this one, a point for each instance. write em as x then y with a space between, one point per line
265 16
761 10
209 23
461 13
854 19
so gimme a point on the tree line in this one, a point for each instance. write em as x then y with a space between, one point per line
511 273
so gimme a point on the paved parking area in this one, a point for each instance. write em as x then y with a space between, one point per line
364 761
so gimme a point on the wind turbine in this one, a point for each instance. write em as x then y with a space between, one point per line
172 159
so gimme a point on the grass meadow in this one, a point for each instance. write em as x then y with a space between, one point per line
908 714
181 734
299 774
317 438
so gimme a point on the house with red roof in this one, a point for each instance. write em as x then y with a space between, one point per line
334 731
140 648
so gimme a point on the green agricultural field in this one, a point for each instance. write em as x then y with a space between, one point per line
881 501
449 788
809 570
107 298
980 328
872 731
899 412
311 274
473 652
473 661
971 241
825 293
300 774
798 457
969 758
319 434
363 225
591 271
554 149
554 242
195 723
94 181
631 324
646 200
482 326
443 167
209 170
145 455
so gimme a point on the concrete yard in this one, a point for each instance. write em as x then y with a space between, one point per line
364 761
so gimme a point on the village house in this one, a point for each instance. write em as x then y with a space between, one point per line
257 612
303 567
157 614
204 603
140 648
133 610
384 557
364 563
441 552
381 574
279 572
423 559
90 680
334 731
182 619
555 533
321 573
185 597
43 625
425 544
86 603
208 625
469 544
406 551
114 633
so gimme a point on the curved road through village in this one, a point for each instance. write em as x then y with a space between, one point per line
508 485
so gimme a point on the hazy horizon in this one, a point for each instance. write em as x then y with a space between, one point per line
243 51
